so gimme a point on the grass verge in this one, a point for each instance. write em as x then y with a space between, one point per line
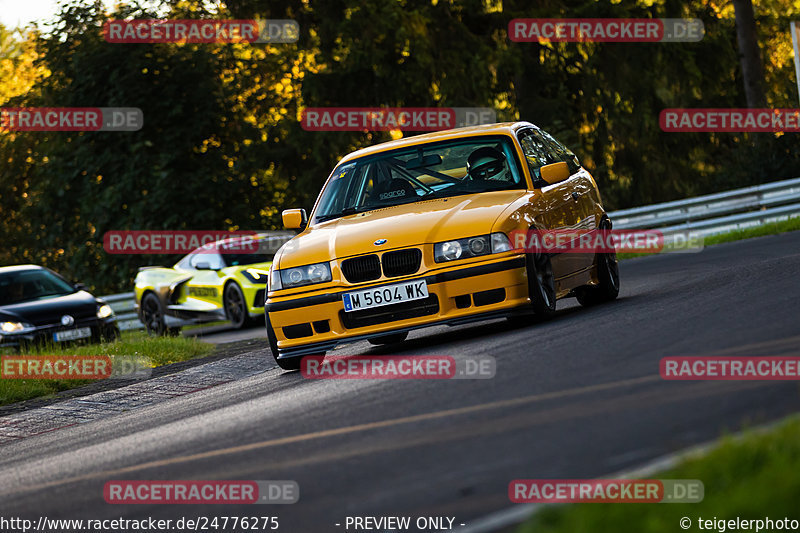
159 350
773 228
792 224
752 477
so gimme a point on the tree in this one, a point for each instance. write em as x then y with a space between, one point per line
750 54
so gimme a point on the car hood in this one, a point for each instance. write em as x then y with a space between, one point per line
402 225
79 305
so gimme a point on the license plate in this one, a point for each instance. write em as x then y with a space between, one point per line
72 334
385 295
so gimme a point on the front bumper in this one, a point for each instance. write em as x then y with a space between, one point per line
482 290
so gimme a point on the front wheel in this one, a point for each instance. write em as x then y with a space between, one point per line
607 288
541 285
153 315
292 363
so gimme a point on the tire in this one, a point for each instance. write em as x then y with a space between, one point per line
541 285
152 315
235 306
391 338
285 364
111 333
607 288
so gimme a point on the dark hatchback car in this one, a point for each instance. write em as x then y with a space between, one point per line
38 306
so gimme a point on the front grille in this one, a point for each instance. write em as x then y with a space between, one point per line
401 262
390 313
363 268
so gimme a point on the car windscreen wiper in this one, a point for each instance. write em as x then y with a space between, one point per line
352 210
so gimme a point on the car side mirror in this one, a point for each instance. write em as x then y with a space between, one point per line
554 172
203 265
80 286
294 218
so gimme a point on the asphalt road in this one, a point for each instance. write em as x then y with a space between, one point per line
223 333
576 397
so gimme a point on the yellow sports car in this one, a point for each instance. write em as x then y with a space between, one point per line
417 232
225 280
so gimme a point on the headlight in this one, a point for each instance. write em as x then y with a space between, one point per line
275 280
450 251
256 275
299 276
104 311
500 243
15 327
471 247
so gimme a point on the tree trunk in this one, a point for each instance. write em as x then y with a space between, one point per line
749 54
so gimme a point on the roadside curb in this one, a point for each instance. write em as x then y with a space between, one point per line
89 403
223 351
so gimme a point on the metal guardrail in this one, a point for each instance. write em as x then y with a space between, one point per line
122 304
706 215
716 213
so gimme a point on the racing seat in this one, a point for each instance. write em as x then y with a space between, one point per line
396 189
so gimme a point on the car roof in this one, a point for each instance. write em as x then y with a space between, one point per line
507 128
19 268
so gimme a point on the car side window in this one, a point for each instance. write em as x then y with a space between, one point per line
185 263
561 152
214 260
537 153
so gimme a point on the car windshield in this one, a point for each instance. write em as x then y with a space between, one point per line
435 170
27 285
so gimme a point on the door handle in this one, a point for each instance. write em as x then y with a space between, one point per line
576 196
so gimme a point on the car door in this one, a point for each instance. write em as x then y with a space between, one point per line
581 180
582 191
559 207
205 284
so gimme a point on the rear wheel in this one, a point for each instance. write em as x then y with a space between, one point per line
235 306
391 338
